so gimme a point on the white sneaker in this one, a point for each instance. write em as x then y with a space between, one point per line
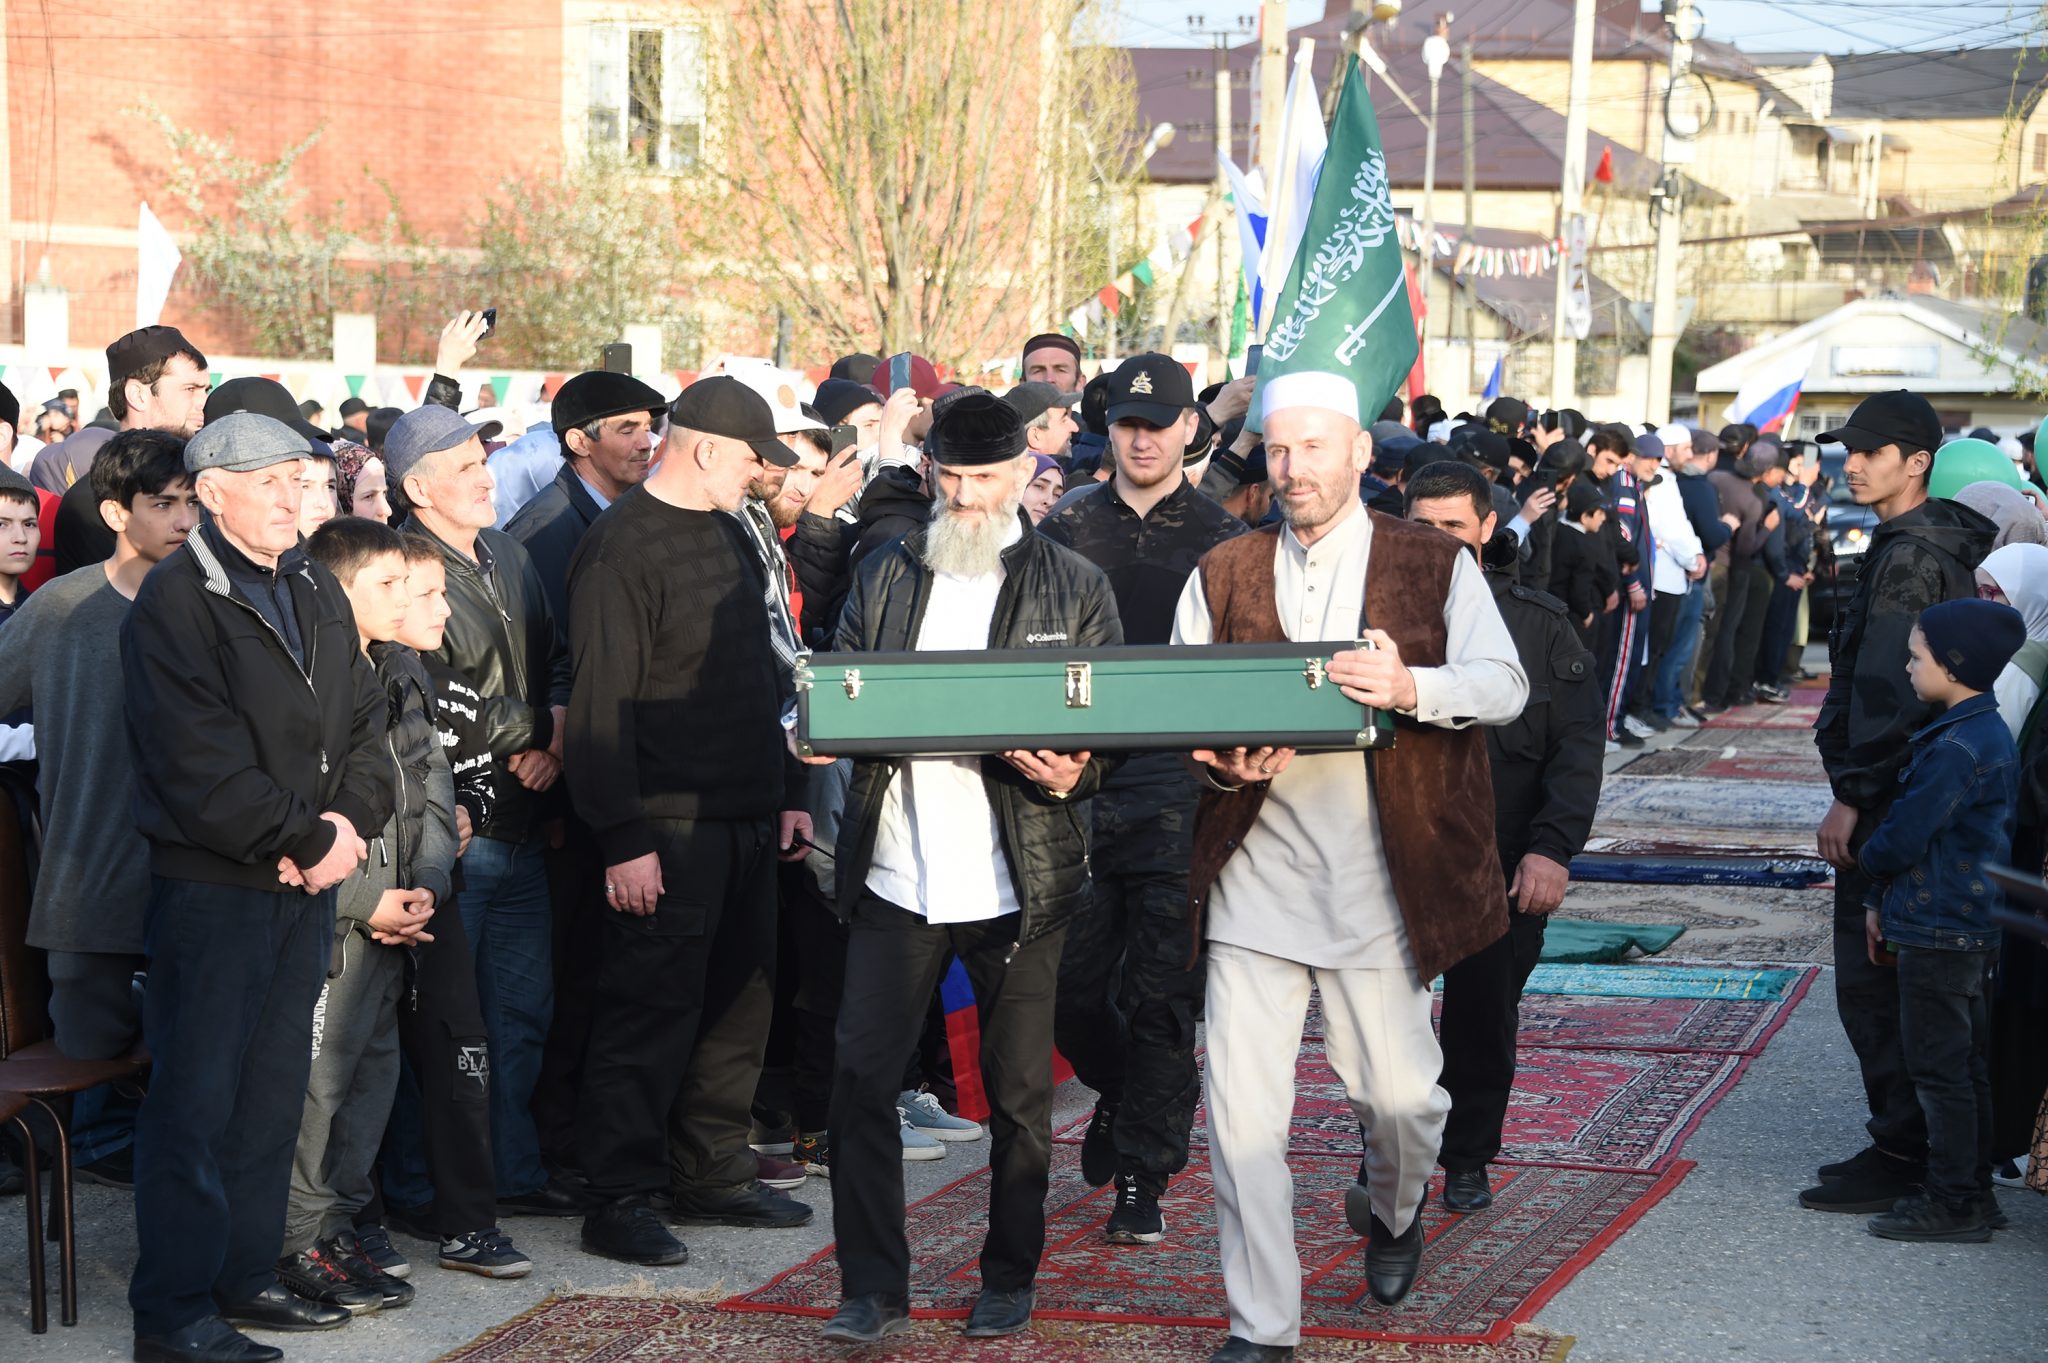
933 1120
1612 746
1684 720
917 1145
1637 727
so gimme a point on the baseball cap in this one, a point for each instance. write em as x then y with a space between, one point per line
1152 388
424 431
1895 418
1033 400
241 442
838 399
265 396
858 367
778 390
722 405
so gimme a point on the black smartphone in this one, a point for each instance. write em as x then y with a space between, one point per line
490 323
618 358
844 437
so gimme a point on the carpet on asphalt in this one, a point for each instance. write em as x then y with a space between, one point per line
1723 922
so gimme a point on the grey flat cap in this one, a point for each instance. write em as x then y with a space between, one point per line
241 442
10 481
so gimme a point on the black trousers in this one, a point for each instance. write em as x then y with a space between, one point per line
1867 1000
681 1017
893 962
1781 623
576 887
1740 638
812 959
228 1018
1477 1028
1131 978
1945 1023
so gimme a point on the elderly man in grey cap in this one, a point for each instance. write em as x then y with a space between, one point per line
257 729
502 635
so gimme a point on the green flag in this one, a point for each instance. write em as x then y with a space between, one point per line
1344 309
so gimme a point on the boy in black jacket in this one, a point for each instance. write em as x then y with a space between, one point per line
1582 570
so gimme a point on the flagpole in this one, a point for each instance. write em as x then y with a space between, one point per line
1279 204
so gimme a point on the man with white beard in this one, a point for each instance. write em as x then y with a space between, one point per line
980 857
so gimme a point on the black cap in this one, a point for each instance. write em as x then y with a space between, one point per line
1152 388
856 368
1486 447
1034 400
973 426
1895 418
265 397
378 424
1254 470
1390 456
839 399
350 406
1095 405
1507 415
10 408
71 393
598 393
1204 438
1566 456
722 405
1582 498
143 347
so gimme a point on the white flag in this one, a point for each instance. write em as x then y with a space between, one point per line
1291 188
156 263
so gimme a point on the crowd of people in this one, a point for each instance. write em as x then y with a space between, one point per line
475 872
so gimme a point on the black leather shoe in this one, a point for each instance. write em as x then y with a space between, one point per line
277 1307
863 1320
1391 1261
1358 1206
1098 1148
211 1340
1236 1350
752 1206
630 1231
553 1198
1000 1313
1467 1190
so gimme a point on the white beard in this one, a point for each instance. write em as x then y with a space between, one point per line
969 548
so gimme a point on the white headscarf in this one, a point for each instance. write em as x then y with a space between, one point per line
2021 572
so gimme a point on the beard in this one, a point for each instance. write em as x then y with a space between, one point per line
969 546
782 513
1318 511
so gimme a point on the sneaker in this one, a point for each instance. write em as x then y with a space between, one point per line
772 1131
1136 1220
1613 747
927 1116
1873 1162
917 1145
813 1150
1626 738
488 1253
317 1276
1684 719
1864 1192
1630 724
2010 1174
1923 1219
630 1231
779 1173
1098 1147
342 1247
373 1242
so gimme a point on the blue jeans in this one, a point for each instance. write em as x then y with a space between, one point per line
509 919
1675 670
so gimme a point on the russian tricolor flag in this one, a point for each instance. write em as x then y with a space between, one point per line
1770 390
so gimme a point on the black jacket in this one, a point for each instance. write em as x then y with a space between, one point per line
1547 763
424 820
239 749
1703 510
893 504
502 635
1049 594
1147 558
1582 573
550 526
1867 722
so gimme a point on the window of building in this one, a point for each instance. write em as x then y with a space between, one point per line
2041 151
646 100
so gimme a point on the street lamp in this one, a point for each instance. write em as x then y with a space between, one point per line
1436 54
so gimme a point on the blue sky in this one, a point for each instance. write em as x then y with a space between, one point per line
1758 25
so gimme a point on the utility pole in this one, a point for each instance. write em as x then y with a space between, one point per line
1272 86
1667 204
1564 344
1436 54
1459 300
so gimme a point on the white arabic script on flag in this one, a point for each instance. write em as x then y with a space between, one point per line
1361 228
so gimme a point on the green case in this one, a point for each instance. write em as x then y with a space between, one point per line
1134 699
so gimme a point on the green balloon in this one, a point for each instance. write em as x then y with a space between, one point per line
2040 431
1963 462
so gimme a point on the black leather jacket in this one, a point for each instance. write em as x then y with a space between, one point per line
1051 598
502 635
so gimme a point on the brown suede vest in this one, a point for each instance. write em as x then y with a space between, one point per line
1433 789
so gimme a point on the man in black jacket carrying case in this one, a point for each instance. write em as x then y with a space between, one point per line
256 724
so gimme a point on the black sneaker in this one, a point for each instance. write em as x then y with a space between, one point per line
373 1242
1994 1215
1627 739
1871 1160
753 1206
316 1275
1864 1192
1925 1220
1136 1220
342 1248
488 1253
629 1230
1098 1147
110 1171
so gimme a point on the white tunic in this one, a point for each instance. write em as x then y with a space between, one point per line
1310 884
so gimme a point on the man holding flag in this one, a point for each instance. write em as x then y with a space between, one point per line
1301 873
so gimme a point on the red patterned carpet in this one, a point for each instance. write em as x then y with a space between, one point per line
1482 1274
589 1329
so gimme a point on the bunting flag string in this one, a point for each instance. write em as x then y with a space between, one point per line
1109 300
1491 262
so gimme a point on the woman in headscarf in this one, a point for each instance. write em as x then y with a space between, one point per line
2018 517
1048 482
359 484
2017 574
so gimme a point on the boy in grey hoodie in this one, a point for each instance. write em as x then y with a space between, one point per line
381 912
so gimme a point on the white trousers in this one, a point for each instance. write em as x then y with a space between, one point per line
1382 1047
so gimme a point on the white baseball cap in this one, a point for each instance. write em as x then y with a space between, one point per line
1308 388
779 389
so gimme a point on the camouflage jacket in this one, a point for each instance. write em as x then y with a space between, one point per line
1868 720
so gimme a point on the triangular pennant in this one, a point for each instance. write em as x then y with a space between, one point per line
1109 300
355 384
1142 272
215 377
501 388
412 384
56 372
274 378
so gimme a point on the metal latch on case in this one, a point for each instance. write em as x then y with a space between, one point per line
1080 685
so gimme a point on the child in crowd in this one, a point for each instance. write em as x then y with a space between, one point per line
1952 818
1582 568
437 1156
20 537
382 909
